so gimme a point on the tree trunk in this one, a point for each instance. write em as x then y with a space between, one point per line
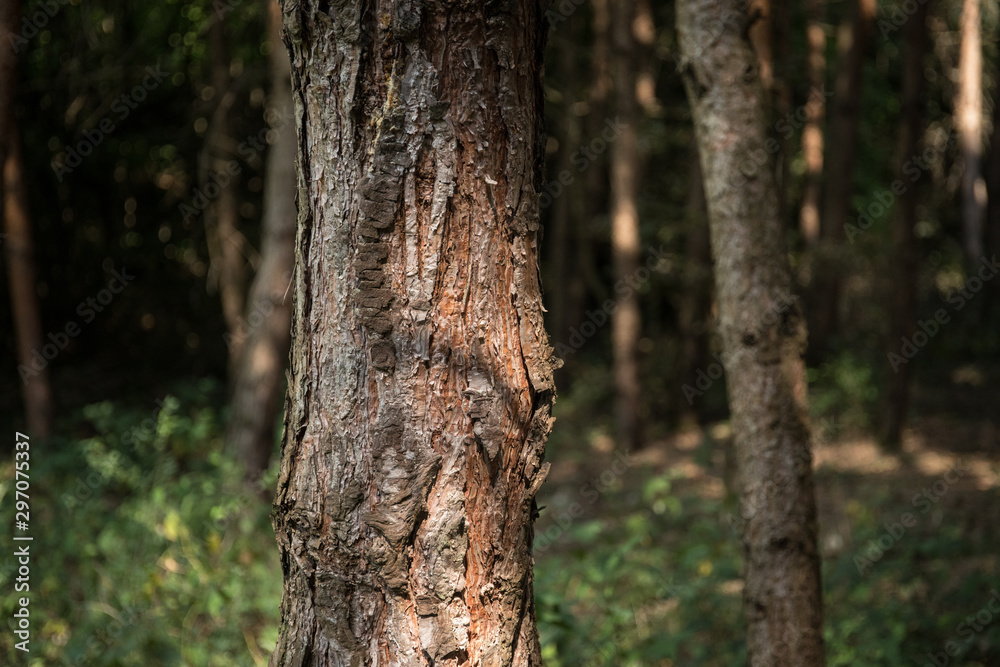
993 194
763 335
225 242
18 245
812 132
904 283
421 376
626 325
259 378
695 308
969 122
20 253
852 47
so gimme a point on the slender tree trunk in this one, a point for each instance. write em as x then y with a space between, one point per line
812 132
904 297
969 122
421 376
20 253
560 236
852 47
763 336
18 246
993 198
626 325
696 298
225 242
259 378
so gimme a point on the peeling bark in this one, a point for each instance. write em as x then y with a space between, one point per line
421 376
763 336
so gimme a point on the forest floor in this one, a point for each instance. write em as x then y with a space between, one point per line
645 568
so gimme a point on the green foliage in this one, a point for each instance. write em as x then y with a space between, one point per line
149 549
845 390
654 578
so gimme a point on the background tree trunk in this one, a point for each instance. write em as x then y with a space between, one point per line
18 246
259 378
421 376
852 46
762 335
904 284
812 132
225 242
626 324
969 122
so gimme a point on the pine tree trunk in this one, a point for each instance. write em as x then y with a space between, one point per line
626 325
17 244
259 379
421 376
845 115
969 122
225 242
20 254
763 335
904 283
812 132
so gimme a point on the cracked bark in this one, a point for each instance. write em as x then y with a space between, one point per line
421 377
763 337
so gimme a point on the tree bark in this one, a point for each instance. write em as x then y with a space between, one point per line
763 335
852 47
259 379
626 324
225 242
904 283
812 132
18 245
969 122
421 376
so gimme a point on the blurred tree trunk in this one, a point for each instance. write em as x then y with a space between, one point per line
852 46
259 378
993 192
696 298
904 283
562 276
626 325
225 242
421 376
763 336
812 132
969 122
20 253
17 242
